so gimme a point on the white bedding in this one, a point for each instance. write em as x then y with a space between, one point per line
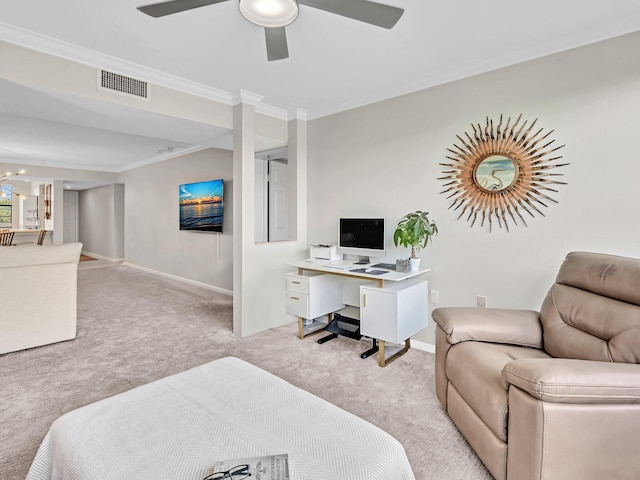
177 427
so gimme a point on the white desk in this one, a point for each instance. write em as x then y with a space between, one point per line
340 267
392 306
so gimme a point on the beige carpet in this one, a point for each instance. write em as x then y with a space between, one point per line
135 327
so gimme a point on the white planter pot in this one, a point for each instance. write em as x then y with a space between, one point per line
414 264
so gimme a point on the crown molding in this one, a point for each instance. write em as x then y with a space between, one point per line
298 114
271 111
59 165
250 98
178 152
247 97
68 51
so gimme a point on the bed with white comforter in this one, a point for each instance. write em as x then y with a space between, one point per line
177 427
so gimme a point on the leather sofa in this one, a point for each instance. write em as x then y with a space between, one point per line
554 394
39 295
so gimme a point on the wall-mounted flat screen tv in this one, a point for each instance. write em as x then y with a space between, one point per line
201 206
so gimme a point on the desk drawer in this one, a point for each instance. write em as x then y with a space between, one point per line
297 304
297 283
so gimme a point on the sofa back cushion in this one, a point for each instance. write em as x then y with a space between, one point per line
29 255
592 311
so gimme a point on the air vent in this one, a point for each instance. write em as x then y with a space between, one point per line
122 85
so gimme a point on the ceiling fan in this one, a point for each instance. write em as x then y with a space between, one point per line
274 15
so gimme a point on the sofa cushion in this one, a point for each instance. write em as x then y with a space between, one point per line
563 380
607 275
592 312
475 370
20 256
495 325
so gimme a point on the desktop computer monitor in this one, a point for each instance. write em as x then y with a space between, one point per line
364 237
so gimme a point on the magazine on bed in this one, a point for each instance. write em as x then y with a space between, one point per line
271 467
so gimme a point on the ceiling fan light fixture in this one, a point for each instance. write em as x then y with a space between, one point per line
269 13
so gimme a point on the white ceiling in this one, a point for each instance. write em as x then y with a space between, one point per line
335 64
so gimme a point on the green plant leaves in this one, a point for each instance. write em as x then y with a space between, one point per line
414 230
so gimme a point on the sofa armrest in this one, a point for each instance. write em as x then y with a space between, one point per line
497 325
561 380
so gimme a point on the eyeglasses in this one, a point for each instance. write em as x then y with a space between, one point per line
236 473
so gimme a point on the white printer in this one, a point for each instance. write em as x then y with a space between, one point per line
324 253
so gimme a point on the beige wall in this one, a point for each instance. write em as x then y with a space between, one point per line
153 239
383 159
101 221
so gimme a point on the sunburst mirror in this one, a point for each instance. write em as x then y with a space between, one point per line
501 171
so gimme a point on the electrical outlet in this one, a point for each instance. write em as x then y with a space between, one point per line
435 296
481 301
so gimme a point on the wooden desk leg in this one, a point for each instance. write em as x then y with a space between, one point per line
384 362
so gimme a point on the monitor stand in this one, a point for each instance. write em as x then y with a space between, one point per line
362 260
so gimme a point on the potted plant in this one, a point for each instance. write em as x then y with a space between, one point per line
414 230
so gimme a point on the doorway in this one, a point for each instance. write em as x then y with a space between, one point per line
271 196
278 206
70 217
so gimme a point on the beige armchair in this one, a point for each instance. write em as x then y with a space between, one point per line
555 394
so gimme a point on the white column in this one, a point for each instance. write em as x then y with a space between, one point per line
297 130
243 202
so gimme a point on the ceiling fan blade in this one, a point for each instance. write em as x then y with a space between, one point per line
175 6
363 10
276 39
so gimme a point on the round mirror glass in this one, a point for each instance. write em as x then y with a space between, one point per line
495 173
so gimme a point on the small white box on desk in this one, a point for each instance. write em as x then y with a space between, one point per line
325 252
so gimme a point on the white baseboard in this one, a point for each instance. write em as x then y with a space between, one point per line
101 257
425 347
180 279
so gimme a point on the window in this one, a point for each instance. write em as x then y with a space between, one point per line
5 205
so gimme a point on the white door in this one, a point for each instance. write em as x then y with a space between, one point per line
70 217
278 201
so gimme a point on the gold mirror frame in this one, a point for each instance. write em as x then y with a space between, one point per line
497 172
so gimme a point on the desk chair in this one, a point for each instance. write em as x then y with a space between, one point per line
6 238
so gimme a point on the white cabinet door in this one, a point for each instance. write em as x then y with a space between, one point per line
378 313
395 312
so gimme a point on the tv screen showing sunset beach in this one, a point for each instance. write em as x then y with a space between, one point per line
201 206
